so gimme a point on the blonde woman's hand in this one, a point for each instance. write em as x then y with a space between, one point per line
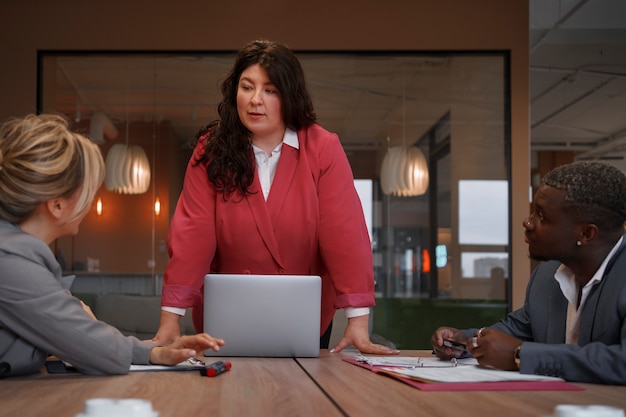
184 348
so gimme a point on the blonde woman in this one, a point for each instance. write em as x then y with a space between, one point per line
48 178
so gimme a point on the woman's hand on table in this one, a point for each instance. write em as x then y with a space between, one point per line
169 329
184 348
357 335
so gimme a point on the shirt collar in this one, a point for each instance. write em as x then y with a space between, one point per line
600 272
291 139
565 276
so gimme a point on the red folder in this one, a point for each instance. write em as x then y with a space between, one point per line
475 386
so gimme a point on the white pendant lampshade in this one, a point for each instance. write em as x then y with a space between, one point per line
127 169
404 172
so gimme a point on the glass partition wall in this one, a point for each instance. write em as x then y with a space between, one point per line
440 257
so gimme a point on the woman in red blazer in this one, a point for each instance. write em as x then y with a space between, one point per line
268 191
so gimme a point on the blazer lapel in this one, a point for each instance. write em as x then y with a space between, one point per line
259 210
610 282
557 318
585 326
285 173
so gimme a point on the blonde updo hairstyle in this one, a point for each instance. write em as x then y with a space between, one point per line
40 160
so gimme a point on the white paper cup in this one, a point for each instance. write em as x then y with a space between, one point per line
571 410
113 407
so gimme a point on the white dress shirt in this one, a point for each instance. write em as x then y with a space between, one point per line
569 287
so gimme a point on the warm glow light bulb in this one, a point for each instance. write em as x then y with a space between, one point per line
99 206
157 206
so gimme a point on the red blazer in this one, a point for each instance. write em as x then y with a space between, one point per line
311 224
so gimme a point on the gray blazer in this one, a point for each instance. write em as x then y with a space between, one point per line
38 316
600 356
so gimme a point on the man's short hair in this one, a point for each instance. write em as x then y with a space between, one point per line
596 191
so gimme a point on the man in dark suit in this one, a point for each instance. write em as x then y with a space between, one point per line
573 322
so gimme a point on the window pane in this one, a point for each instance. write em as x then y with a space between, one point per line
483 212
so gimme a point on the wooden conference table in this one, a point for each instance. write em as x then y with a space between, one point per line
324 386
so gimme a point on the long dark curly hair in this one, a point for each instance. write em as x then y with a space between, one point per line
228 151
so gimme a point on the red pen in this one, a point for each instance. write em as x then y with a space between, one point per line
215 368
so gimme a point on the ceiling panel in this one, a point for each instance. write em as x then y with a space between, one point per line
578 75
577 85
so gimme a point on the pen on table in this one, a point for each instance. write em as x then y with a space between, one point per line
215 368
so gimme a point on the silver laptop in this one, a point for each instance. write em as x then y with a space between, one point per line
263 315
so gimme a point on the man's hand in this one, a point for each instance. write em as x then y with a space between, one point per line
494 349
447 333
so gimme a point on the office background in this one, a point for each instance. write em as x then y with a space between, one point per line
450 25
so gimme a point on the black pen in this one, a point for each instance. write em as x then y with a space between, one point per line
215 368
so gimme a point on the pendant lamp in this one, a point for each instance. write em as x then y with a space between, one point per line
127 166
404 171
127 169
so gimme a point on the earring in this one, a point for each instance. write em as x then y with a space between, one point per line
578 243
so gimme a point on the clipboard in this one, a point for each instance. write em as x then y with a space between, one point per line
471 386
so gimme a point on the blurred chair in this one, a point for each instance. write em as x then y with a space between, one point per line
135 315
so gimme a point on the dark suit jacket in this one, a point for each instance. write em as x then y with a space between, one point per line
600 356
